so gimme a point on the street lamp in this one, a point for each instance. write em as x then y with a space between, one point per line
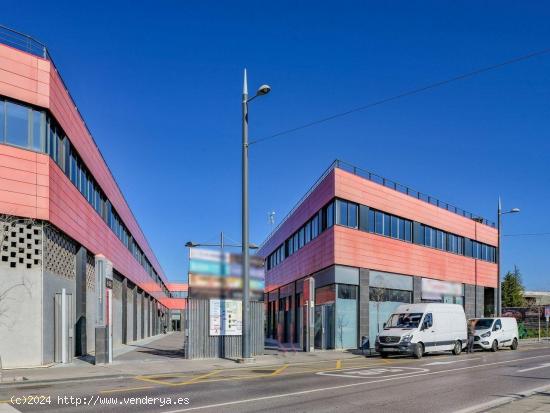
499 287
262 90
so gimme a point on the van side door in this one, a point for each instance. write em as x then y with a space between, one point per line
498 332
429 336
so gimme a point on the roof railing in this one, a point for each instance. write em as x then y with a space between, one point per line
388 183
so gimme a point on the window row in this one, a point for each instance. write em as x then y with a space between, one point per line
322 220
364 218
28 128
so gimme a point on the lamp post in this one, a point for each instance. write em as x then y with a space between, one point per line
262 90
499 223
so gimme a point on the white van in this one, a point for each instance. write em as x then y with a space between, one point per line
423 328
495 333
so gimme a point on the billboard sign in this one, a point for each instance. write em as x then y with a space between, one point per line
217 274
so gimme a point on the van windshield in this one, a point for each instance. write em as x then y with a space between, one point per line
484 323
404 320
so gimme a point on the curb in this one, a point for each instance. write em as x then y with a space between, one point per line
24 383
484 407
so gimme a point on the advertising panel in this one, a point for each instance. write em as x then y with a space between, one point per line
226 317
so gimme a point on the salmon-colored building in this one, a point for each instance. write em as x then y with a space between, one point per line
358 245
62 210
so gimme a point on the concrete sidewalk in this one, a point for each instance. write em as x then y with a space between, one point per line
158 355
538 402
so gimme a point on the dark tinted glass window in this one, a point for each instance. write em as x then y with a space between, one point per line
17 124
371 221
347 292
363 217
379 222
38 122
330 215
352 215
394 227
387 225
408 234
308 232
342 212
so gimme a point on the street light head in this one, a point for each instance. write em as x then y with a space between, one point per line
190 244
253 246
263 90
514 210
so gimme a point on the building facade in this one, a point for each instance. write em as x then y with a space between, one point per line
60 211
357 246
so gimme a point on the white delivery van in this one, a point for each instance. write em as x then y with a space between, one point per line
416 329
495 333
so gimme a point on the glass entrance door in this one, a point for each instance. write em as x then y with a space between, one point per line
324 326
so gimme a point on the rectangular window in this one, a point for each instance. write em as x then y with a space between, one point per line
295 241
363 217
67 155
407 231
394 227
308 232
440 240
17 125
330 215
38 128
419 233
342 212
74 169
379 223
429 237
352 215
301 237
460 245
371 221
52 146
387 224
315 227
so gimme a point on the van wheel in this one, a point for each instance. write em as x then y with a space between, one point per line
418 351
514 345
457 349
494 346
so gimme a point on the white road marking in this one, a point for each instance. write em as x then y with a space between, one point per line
366 373
437 363
343 386
542 366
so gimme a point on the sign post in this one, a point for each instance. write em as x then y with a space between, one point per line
547 315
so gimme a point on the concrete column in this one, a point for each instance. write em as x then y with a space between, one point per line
142 304
309 314
469 300
480 294
363 304
417 289
124 310
80 302
135 326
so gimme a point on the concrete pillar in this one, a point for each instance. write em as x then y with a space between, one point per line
142 305
309 314
80 302
135 327
363 304
480 301
124 310
469 300
417 289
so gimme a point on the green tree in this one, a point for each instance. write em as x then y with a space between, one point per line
512 289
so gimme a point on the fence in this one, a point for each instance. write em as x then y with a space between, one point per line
199 344
531 320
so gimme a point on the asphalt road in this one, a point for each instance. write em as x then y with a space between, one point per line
440 383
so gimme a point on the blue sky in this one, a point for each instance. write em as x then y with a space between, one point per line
159 85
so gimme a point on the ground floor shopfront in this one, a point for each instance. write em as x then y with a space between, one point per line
348 305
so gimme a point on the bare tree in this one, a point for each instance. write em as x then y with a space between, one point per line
377 295
341 323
